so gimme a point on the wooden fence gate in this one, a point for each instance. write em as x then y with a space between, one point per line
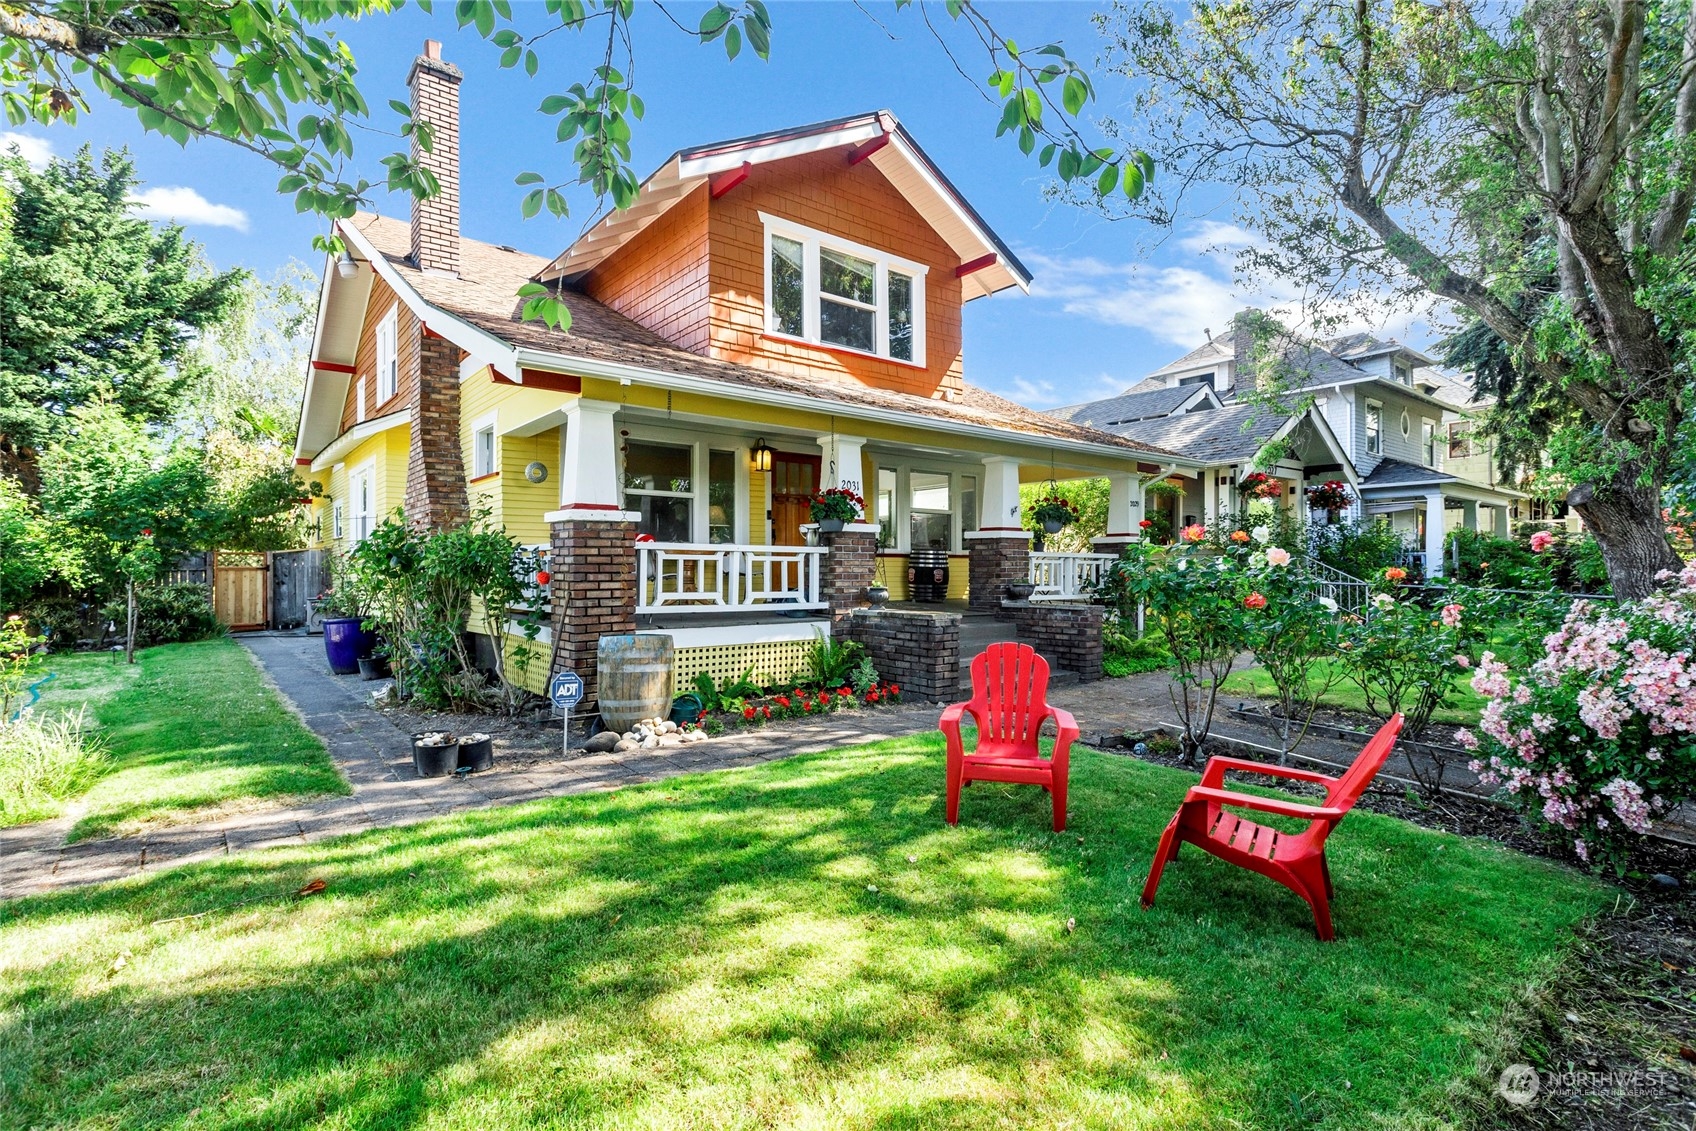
241 589
297 576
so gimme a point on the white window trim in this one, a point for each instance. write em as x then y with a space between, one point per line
388 355
903 516
811 241
478 427
368 472
336 527
1428 445
1407 424
700 503
358 399
1366 428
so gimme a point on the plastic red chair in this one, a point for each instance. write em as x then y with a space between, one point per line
1009 702
1296 860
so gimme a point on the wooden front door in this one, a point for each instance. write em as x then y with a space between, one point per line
240 589
794 483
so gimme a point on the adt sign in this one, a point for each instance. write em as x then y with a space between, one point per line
566 690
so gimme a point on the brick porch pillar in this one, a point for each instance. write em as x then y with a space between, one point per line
996 557
593 588
849 568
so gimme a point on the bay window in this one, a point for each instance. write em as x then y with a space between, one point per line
833 292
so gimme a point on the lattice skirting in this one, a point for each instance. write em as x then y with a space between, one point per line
773 661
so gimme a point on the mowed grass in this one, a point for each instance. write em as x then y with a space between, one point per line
803 944
188 730
1462 709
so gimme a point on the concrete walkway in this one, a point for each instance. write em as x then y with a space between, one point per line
375 757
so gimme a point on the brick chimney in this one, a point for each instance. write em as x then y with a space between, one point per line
435 100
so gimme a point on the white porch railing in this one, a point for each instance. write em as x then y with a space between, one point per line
1067 577
529 561
1349 591
685 577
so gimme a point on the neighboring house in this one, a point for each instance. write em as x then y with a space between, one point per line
772 316
1368 411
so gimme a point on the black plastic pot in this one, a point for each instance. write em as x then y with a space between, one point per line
432 761
476 752
373 667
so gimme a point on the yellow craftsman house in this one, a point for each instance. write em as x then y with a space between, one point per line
773 316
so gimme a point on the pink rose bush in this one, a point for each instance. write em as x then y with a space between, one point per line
1598 738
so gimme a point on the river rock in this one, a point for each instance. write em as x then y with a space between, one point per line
603 742
624 744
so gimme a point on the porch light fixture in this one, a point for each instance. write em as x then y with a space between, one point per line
762 455
345 266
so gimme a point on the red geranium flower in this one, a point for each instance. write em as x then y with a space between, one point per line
806 704
767 710
783 700
1146 523
747 712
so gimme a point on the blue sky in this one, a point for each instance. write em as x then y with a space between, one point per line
1111 300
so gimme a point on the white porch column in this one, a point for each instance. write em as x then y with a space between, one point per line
1209 495
1124 512
1503 521
1434 534
588 465
843 465
1001 511
1469 514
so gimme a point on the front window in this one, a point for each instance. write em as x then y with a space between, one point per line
337 528
929 513
823 289
1428 435
968 503
721 497
483 452
1374 428
1197 379
659 485
886 487
363 503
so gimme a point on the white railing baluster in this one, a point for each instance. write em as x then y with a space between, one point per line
1067 577
682 577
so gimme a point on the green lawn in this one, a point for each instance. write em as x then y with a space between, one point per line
187 729
1462 709
800 944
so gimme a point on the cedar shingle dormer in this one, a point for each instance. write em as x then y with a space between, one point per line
690 260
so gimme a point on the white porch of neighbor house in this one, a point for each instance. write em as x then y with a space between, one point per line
1424 516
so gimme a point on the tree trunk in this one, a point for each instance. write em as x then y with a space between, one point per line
129 623
1626 522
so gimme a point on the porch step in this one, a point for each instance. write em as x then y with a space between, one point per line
978 631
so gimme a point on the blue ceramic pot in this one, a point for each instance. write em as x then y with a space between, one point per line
345 642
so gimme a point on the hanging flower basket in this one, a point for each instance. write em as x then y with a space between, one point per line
1054 514
835 508
1333 497
1259 485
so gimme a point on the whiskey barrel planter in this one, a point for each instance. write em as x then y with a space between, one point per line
633 678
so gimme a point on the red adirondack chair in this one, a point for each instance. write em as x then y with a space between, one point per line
1296 860
1010 704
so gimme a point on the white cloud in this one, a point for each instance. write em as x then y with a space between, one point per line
1040 393
186 206
34 150
1210 237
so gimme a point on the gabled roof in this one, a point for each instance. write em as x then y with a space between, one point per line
882 141
479 312
1233 433
1400 473
1359 347
1128 408
1216 350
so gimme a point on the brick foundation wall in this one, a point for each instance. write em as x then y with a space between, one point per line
1068 636
435 469
919 651
594 594
993 562
849 567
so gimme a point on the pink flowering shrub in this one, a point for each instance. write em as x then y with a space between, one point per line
1598 737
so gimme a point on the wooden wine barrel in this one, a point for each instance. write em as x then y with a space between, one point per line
634 678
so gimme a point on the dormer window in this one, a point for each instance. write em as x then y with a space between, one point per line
1404 372
831 292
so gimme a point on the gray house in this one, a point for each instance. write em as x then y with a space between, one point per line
1368 411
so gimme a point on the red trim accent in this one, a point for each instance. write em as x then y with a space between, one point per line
429 333
592 507
480 478
828 348
1110 534
861 152
977 264
724 182
333 366
302 461
544 379
994 529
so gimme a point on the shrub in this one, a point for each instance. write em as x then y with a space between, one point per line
44 760
1403 655
64 621
1599 736
1360 549
831 660
169 613
1123 655
17 663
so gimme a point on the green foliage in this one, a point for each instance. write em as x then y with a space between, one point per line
169 613
1403 656
832 660
45 760
864 677
1361 548
31 550
1088 500
17 662
716 698
1291 633
1123 655
98 306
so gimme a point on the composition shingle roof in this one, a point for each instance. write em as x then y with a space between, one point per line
1218 349
1399 473
1231 433
1126 408
484 295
